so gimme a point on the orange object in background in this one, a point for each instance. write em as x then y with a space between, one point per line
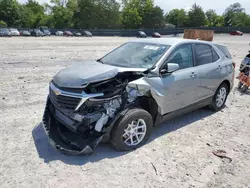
244 79
207 35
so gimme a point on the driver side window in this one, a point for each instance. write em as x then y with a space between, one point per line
183 56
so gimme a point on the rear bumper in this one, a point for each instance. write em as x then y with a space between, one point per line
64 139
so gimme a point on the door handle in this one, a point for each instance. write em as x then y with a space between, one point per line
193 75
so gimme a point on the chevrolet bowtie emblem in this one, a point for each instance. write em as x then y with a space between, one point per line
57 92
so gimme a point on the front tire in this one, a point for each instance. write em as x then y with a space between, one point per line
220 97
132 130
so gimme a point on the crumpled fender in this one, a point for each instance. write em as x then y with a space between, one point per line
153 86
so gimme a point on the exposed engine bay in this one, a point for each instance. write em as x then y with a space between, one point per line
76 125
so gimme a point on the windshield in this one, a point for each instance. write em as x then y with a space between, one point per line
135 55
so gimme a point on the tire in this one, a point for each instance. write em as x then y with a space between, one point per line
118 135
244 88
240 84
217 106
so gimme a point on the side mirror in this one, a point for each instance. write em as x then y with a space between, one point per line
171 67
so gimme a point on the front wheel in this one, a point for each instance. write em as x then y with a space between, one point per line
220 97
132 130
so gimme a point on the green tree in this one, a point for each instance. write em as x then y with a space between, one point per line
230 13
241 19
214 20
97 14
196 16
62 13
177 17
131 18
143 14
33 13
153 18
10 12
3 24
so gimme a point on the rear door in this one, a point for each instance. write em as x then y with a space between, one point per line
209 68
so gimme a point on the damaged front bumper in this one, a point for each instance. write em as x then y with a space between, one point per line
63 138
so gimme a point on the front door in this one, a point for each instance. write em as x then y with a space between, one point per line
180 87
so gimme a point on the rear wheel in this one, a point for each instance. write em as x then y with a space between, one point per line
220 97
132 131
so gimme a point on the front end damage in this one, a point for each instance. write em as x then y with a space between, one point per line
76 120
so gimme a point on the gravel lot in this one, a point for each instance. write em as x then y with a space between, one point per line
178 155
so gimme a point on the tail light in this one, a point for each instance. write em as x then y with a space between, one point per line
234 65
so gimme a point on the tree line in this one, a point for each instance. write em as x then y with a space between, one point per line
114 14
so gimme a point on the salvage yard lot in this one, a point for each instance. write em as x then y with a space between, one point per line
178 154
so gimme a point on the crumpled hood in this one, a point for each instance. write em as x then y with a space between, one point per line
89 71
82 73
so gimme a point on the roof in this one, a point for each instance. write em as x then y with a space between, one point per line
169 41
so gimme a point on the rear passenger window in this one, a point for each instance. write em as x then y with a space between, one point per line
205 54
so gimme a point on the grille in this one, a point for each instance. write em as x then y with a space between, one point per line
69 103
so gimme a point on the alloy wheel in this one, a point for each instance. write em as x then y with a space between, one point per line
221 96
135 132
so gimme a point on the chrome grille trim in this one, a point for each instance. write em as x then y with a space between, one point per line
83 96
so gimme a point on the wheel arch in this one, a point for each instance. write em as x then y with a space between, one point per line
227 82
149 104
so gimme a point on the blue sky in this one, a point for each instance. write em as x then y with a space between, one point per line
218 5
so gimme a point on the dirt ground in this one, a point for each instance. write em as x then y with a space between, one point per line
178 154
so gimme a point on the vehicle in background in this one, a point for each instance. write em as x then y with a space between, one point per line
4 32
59 33
14 32
238 33
244 77
122 96
156 35
36 33
25 33
77 34
141 34
45 30
87 34
67 34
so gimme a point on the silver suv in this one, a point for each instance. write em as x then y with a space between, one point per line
122 96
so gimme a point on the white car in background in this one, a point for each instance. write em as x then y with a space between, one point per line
59 33
14 32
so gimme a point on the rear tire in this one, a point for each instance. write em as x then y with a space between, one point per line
132 130
220 97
